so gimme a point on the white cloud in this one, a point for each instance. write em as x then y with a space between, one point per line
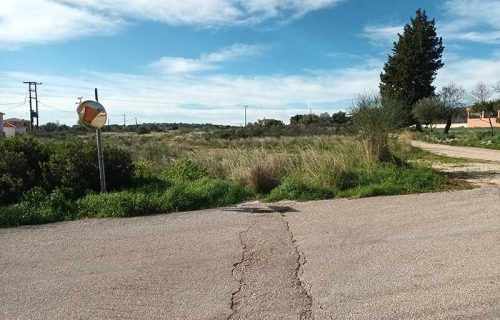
39 21
206 62
465 20
216 98
468 72
382 35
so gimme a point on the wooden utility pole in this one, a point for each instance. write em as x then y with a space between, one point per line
33 95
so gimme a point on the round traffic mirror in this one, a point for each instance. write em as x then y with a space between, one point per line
92 114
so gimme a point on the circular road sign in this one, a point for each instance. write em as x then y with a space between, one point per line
92 114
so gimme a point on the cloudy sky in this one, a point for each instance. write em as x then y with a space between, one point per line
203 60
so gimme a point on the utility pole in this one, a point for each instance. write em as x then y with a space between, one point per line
124 121
136 124
33 95
246 116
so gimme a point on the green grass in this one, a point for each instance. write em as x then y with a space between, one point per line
38 207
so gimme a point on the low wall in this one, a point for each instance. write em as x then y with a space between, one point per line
482 123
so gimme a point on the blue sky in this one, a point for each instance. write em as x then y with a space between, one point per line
202 60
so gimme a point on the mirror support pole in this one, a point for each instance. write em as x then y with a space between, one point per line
100 159
100 156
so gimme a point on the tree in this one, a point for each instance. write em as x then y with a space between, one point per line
452 98
490 110
412 67
428 110
340 118
481 93
374 119
269 123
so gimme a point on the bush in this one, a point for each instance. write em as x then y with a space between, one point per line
184 170
261 179
199 194
74 166
37 207
295 188
26 163
21 161
393 180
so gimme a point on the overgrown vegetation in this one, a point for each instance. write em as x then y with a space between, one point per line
47 180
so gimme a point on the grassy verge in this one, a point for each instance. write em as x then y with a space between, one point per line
480 138
216 173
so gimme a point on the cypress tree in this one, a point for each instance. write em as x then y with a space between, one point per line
412 67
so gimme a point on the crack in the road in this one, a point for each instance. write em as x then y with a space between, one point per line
299 271
238 268
269 273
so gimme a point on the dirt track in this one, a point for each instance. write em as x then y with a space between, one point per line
460 152
482 169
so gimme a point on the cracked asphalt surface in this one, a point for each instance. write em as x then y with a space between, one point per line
430 256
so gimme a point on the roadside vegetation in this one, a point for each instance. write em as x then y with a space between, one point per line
46 180
480 138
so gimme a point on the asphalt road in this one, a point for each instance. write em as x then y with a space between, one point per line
431 256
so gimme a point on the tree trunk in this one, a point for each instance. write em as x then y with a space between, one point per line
491 126
419 127
448 125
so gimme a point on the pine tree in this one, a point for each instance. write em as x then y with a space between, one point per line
412 67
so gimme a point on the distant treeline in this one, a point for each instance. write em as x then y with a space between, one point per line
303 124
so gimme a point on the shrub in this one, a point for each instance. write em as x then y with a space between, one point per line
184 170
74 166
119 204
26 163
21 161
295 188
199 194
37 207
261 179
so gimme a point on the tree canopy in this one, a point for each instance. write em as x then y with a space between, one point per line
410 71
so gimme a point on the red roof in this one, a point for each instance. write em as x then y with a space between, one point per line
9 125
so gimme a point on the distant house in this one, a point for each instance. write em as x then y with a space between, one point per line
479 120
14 126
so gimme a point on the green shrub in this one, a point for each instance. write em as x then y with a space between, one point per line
26 163
393 180
119 204
184 170
199 194
21 161
74 166
295 188
37 207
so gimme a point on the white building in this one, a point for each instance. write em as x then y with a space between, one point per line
12 127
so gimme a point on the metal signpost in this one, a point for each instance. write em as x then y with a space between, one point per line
92 114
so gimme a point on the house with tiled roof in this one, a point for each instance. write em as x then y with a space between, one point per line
13 126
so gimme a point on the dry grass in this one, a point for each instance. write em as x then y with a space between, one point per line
263 163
